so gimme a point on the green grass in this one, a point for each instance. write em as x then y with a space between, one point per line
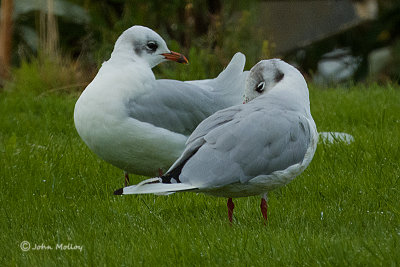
343 210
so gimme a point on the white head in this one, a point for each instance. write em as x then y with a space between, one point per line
142 43
272 73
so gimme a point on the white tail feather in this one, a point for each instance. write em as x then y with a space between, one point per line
230 82
232 73
154 186
336 137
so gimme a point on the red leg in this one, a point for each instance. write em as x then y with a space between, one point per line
126 179
264 207
160 172
231 206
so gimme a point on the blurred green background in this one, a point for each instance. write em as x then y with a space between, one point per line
60 44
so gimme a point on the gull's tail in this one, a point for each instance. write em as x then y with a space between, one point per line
230 82
153 186
232 73
336 137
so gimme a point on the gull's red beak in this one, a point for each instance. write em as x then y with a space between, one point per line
175 57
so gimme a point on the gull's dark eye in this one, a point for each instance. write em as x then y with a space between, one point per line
152 46
260 87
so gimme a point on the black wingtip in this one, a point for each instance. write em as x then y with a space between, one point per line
119 191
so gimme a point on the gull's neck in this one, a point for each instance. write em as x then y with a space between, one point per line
121 78
295 92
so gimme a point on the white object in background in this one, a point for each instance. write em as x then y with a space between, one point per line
336 137
336 66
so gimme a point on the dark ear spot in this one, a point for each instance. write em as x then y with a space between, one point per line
138 48
278 76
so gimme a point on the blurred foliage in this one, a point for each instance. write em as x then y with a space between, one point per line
27 25
195 27
44 74
208 32
394 70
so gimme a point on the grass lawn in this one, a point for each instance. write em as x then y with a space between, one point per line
343 210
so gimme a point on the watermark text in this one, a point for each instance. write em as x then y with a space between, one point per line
27 246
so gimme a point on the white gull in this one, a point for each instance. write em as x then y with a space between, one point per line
138 123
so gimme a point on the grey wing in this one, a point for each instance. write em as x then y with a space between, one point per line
173 105
253 143
181 106
196 139
218 119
